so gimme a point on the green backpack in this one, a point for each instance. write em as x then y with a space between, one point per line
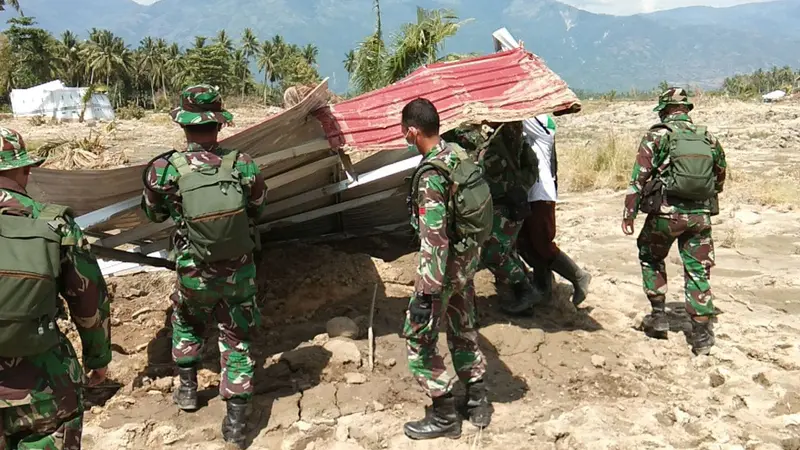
214 210
690 173
30 266
470 201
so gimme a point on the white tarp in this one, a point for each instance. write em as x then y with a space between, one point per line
54 100
773 96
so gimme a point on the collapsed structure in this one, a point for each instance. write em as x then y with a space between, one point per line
315 191
54 100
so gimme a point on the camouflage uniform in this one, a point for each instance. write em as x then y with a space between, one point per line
687 221
446 270
41 398
222 291
499 253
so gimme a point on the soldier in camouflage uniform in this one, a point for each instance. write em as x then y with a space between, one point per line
509 185
444 292
222 291
687 221
41 396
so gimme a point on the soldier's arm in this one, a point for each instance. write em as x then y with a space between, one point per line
720 165
642 171
434 243
158 181
83 287
253 182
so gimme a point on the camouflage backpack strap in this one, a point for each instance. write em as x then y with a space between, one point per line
701 130
230 159
181 163
55 215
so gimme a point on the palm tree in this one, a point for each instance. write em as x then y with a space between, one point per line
420 43
368 68
310 53
267 61
249 50
67 62
349 61
12 3
107 54
241 68
199 41
224 41
150 62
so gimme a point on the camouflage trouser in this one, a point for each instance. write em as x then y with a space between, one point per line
237 317
693 232
51 416
457 309
500 251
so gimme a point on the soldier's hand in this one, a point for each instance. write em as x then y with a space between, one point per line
627 226
97 376
420 308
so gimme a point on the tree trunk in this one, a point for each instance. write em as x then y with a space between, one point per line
265 86
153 91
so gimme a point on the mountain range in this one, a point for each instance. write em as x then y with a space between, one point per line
596 52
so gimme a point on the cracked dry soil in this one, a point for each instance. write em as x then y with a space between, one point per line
563 379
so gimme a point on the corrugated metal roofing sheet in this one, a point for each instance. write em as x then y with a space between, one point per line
501 87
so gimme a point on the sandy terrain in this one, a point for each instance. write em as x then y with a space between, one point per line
564 379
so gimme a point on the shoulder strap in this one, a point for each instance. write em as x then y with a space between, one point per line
230 159
52 212
501 150
701 129
181 163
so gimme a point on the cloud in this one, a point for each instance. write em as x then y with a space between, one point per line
627 7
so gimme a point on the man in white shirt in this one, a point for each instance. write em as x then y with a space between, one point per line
539 230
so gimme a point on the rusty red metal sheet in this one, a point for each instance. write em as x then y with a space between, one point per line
504 86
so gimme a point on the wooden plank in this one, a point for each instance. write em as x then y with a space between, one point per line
333 209
293 152
296 174
131 257
137 233
347 164
335 188
333 237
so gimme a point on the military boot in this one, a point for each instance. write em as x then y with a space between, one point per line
479 409
656 324
234 423
702 336
580 279
440 421
519 298
186 395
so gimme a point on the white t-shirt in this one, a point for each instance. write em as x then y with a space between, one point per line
542 138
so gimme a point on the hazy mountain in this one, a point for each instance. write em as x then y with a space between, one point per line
590 51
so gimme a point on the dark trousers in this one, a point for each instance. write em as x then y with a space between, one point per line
535 243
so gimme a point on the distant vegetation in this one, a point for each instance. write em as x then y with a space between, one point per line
151 74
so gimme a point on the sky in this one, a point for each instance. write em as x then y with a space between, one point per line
623 7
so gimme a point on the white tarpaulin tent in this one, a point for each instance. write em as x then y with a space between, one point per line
56 101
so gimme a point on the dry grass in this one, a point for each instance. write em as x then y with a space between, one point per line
88 152
599 164
765 189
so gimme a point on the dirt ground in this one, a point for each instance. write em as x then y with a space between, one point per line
563 379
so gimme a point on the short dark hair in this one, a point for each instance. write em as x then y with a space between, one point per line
207 127
422 115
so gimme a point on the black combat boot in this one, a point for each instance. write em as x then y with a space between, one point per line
580 279
656 324
479 409
234 423
702 336
519 298
186 395
440 421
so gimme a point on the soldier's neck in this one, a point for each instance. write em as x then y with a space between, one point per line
429 144
197 145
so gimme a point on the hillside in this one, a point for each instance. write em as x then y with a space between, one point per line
590 51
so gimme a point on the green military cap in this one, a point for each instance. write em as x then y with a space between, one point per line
13 154
201 104
673 96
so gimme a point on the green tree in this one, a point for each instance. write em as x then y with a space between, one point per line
33 50
211 64
267 62
310 53
249 50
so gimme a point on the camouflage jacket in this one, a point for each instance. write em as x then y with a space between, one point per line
161 201
81 285
652 159
433 224
499 173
